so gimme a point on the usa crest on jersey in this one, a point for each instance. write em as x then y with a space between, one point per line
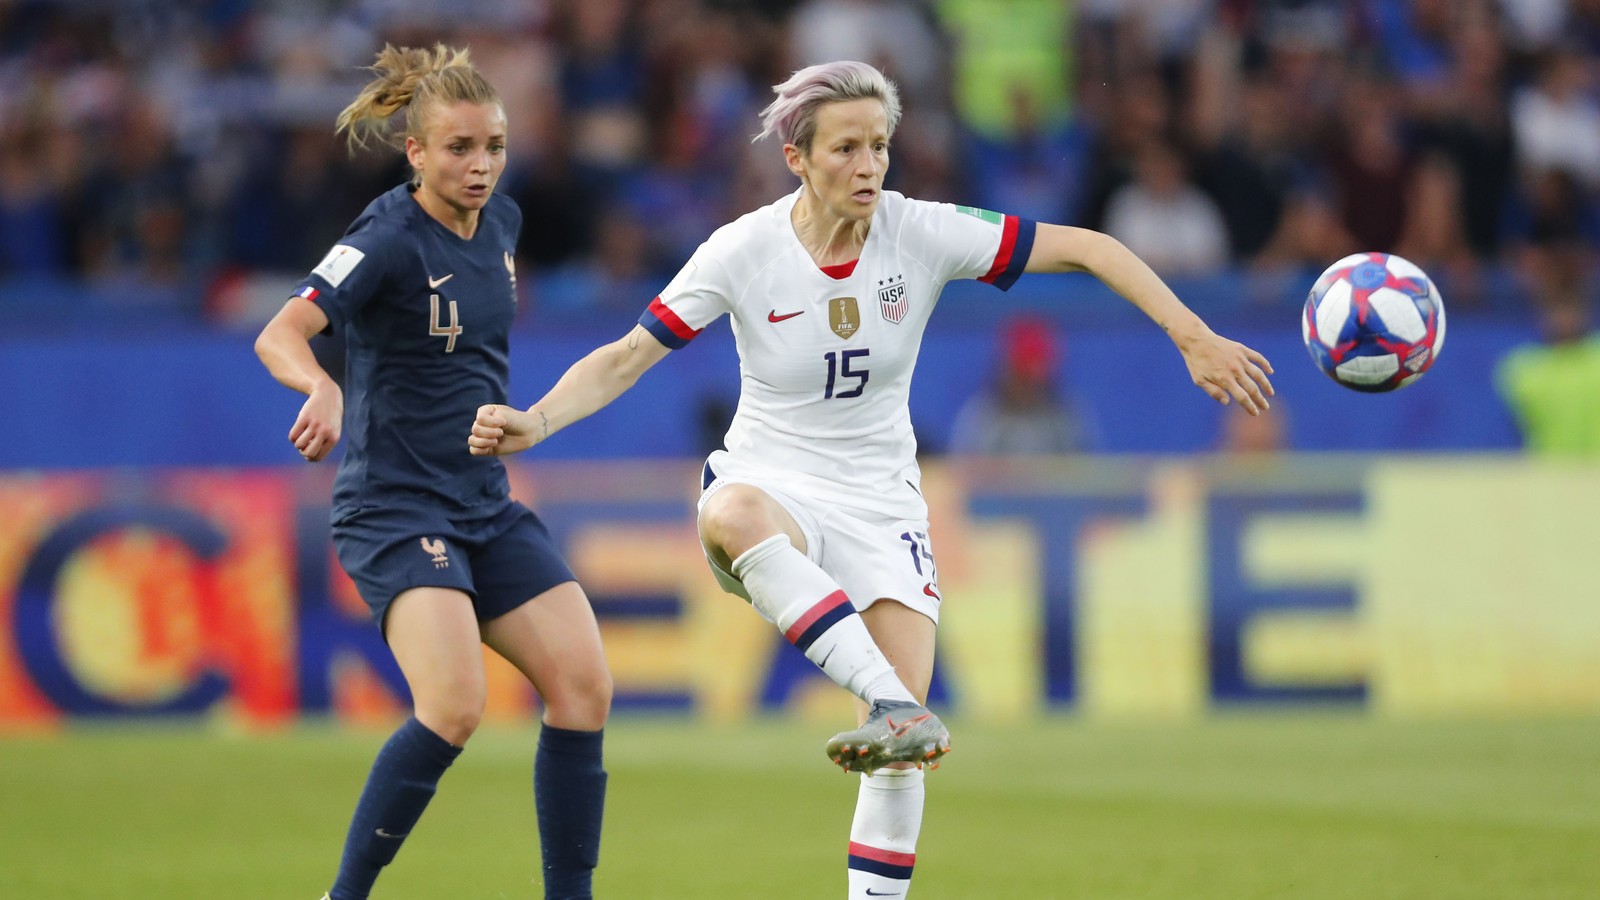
892 299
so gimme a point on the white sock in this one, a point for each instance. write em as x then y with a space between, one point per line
883 837
816 616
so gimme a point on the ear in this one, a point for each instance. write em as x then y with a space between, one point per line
414 154
795 160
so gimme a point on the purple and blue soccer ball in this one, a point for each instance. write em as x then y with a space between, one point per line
1374 322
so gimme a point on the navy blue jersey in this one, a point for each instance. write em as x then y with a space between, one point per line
425 317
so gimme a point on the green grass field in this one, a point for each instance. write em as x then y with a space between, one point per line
1262 806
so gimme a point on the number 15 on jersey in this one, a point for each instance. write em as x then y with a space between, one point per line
839 368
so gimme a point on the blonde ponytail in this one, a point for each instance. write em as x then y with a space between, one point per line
410 79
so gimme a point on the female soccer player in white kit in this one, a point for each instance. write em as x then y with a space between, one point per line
814 511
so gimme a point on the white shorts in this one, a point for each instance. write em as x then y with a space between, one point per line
873 557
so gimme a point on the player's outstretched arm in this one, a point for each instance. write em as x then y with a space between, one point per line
586 388
1226 370
284 346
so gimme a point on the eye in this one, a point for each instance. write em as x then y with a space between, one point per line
458 149
497 148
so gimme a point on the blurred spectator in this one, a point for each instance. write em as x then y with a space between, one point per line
621 272
1467 120
1308 48
1254 437
1536 23
559 207
1136 111
1165 219
1434 237
1556 119
1553 388
700 105
1023 411
1415 36
1582 26
1310 235
1003 47
603 85
291 210
1035 172
903 39
1251 169
1554 214
33 232
1371 165
900 37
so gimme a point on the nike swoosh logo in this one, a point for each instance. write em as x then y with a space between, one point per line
827 656
929 590
873 893
387 836
435 282
774 317
901 729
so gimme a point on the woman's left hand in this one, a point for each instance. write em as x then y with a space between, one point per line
1228 371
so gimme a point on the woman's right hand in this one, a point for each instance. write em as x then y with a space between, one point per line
499 430
316 430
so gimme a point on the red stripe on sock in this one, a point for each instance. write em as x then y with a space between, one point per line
828 604
891 857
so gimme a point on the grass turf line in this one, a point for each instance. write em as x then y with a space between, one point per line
1299 805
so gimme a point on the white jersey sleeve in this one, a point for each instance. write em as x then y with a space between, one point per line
963 242
696 296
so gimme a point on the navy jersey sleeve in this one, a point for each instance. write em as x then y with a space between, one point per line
350 275
514 217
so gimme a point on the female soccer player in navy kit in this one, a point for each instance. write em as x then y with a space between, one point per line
423 291
814 510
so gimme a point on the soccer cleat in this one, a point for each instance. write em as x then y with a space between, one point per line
895 731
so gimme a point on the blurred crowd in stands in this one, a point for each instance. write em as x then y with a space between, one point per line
178 155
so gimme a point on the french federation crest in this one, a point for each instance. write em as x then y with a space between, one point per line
892 299
844 317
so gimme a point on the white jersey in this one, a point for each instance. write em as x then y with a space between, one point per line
826 355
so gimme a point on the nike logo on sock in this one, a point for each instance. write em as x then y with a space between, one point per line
827 656
387 836
873 893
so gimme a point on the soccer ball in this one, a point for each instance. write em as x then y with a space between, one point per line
1374 322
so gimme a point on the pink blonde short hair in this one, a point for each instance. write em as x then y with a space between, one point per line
793 116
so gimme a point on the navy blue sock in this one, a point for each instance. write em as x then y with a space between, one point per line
402 782
569 795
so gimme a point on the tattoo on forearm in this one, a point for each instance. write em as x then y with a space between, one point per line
544 424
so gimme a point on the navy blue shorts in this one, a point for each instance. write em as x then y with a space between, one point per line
501 561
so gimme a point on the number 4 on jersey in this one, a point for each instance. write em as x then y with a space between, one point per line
439 329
